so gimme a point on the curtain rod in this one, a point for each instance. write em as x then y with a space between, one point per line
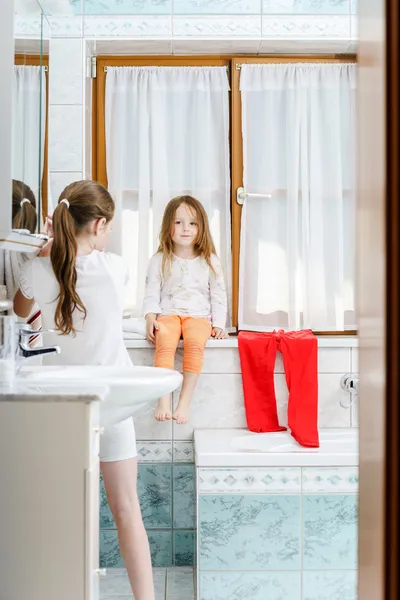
227 68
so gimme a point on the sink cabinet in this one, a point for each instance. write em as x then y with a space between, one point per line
49 499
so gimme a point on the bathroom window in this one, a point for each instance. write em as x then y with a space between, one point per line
178 140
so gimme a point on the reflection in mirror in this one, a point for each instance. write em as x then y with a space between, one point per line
29 127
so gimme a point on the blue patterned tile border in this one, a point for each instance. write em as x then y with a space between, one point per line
254 586
27 27
183 452
149 451
250 532
184 496
217 7
330 480
211 26
128 26
306 27
330 585
330 531
160 546
249 480
306 7
123 7
184 548
155 495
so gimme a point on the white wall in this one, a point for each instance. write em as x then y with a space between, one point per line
218 400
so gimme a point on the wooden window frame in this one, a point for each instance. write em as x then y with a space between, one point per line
35 60
233 63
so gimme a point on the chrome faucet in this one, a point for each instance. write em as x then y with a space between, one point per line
23 350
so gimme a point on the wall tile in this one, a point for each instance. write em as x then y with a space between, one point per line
307 7
334 480
106 518
147 428
330 532
115 582
220 7
25 26
142 357
255 586
330 585
354 360
250 480
128 26
155 495
58 182
66 26
124 7
331 414
66 81
334 360
306 26
183 452
217 402
249 532
154 451
213 26
184 548
180 583
110 556
184 494
65 138
160 546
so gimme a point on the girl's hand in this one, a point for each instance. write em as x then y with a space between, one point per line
48 226
219 334
151 327
45 251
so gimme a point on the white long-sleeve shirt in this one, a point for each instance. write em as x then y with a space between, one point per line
190 288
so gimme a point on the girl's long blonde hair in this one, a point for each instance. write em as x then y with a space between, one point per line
204 245
88 201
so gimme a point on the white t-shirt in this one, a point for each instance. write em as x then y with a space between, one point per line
101 278
189 288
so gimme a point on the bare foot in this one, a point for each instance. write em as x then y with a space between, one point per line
181 414
163 410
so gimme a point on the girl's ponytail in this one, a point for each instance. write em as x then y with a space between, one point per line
63 255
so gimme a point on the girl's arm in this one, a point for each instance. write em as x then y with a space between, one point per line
24 298
23 306
152 297
219 302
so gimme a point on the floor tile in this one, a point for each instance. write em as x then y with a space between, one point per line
180 582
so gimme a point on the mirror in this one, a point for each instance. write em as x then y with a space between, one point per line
29 120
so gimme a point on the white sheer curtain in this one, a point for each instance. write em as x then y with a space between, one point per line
167 133
298 247
29 124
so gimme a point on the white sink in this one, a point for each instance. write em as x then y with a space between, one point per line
129 389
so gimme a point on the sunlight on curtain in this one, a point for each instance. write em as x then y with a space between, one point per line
297 263
167 133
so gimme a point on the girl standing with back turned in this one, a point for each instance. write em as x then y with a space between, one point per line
185 296
80 289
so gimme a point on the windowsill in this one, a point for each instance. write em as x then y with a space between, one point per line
346 341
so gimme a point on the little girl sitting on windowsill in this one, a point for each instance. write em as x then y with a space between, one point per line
185 296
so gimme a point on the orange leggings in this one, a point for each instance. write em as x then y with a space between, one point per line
195 333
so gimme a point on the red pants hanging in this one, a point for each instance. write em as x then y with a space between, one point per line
300 358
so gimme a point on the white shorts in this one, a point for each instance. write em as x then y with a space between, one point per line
118 442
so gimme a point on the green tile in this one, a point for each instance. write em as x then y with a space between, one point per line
184 548
160 547
155 495
184 499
